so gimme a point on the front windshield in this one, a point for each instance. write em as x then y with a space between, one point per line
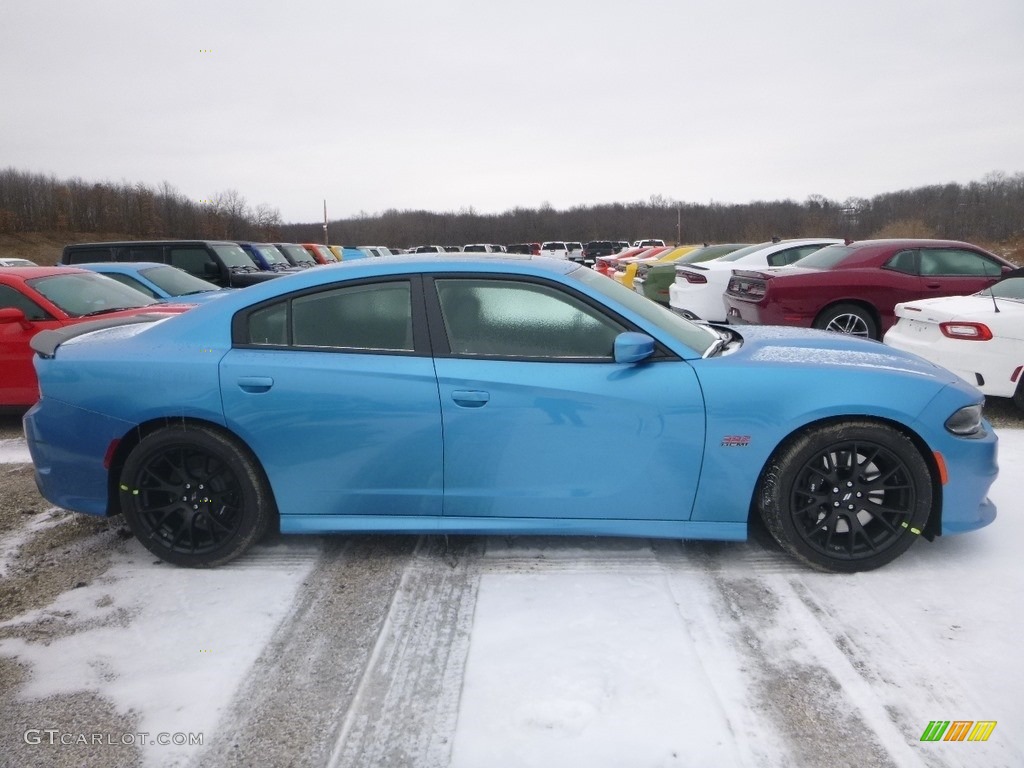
271 254
86 293
176 282
697 337
325 252
299 254
1011 288
234 256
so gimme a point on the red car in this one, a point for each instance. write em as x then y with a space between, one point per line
606 264
853 288
34 299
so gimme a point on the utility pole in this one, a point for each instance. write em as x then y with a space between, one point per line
679 223
326 241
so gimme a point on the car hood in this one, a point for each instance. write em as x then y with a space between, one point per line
784 345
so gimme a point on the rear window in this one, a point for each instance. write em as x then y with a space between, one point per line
735 255
827 257
1011 288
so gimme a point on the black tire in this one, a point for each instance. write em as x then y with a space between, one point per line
1018 395
846 497
849 319
194 497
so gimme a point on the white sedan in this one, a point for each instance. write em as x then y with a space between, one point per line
698 288
979 337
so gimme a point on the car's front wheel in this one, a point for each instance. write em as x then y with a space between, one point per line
193 496
849 319
846 497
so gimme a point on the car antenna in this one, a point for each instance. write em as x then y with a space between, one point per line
991 293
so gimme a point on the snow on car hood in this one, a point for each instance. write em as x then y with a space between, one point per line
806 346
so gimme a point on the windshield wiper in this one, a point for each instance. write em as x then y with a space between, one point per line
108 310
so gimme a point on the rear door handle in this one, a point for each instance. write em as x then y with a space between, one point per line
470 398
255 384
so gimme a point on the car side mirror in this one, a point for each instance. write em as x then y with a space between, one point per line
13 315
632 347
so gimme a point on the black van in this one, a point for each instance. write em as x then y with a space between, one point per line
217 261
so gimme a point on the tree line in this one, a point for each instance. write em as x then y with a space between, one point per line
32 202
987 211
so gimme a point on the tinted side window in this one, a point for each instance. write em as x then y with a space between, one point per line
374 316
956 262
269 325
506 318
10 298
140 253
193 260
904 261
89 255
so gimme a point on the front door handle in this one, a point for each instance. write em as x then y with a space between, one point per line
470 398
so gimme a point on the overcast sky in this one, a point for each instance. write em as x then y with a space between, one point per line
450 104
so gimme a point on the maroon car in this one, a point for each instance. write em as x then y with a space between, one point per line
853 288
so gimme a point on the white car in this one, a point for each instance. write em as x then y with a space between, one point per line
16 262
979 337
698 288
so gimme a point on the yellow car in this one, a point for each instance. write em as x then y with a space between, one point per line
625 271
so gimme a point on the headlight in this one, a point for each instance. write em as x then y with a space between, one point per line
966 422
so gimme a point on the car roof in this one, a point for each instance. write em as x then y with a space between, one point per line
20 274
113 266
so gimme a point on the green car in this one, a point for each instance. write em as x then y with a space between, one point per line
653 280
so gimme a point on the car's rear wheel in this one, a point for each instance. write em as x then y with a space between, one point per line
849 319
193 496
848 496
1018 395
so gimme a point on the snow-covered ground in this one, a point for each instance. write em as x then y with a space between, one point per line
595 652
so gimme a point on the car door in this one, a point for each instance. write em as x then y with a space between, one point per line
17 377
338 399
951 271
540 422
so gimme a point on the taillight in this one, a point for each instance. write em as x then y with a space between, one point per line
748 289
691 277
966 331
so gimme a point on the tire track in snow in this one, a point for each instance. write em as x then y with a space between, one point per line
406 708
304 681
801 703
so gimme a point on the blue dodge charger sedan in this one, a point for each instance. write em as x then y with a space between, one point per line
446 394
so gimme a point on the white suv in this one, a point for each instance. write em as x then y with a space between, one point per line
555 249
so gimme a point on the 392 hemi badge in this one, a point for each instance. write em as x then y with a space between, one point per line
736 441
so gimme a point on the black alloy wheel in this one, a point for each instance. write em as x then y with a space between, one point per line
193 496
847 497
